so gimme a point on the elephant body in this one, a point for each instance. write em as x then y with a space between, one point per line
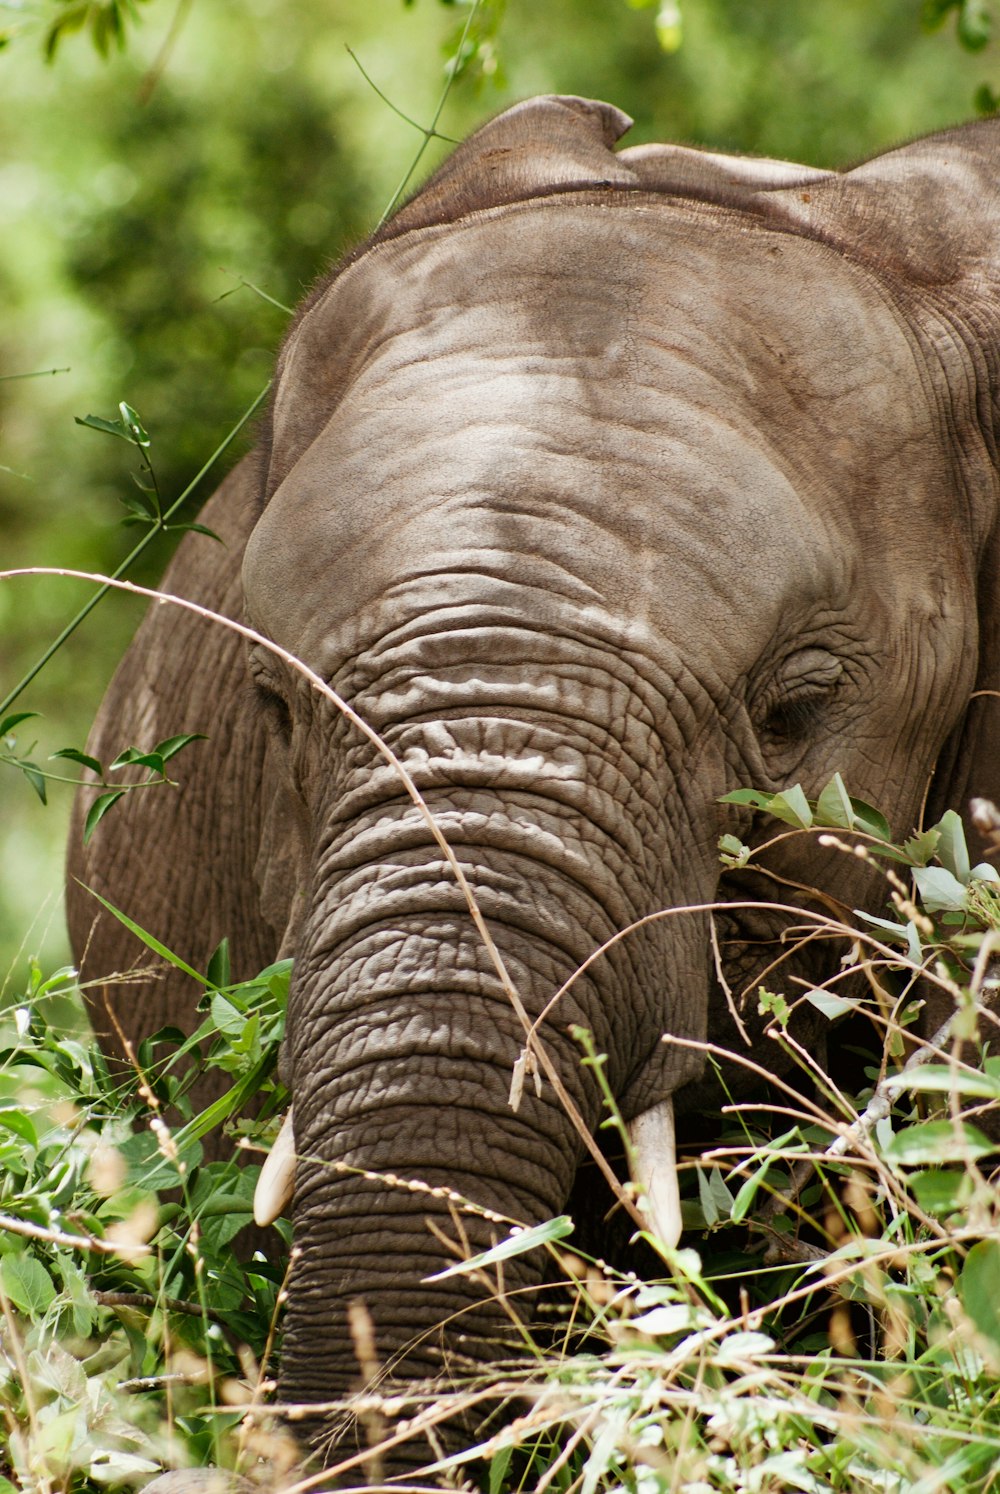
599 484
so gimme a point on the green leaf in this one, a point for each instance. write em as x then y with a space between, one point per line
940 891
139 507
134 757
974 25
833 807
868 820
776 1005
920 848
109 427
27 1284
732 851
744 1199
938 1078
137 432
9 722
979 1288
227 1018
99 809
74 755
831 1005
219 972
713 1195
147 938
13 1118
985 101
149 1169
743 1345
755 798
518 1242
896 932
941 1191
792 808
952 851
198 529
499 1464
934 1142
170 746
36 779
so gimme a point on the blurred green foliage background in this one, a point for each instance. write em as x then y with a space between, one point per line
229 142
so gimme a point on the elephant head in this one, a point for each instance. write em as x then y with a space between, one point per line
599 484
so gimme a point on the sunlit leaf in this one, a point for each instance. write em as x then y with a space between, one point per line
933 1078
941 1141
8 723
74 755
952 851
27 1283
518 1242
137 432
831 1004
99 809
942 1190
920 848
833 807
170 746
939 890
979 1288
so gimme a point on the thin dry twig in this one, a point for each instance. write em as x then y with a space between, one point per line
726 987
149 1301
880 1104
70 1242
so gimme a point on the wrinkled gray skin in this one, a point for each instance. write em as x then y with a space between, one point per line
600 484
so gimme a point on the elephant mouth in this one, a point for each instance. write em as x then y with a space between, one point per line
652 1163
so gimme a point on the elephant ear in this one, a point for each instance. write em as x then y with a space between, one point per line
925 220
556 142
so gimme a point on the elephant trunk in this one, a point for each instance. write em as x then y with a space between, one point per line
406 1141
402 1039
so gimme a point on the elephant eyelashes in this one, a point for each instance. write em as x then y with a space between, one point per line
275 708
790 720
808 683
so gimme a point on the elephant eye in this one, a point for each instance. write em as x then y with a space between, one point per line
790 719
270 700
276 709
802 693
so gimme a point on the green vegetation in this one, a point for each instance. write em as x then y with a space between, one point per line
132 1337
830 1325
172 180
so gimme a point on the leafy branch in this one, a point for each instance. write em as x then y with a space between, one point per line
154 761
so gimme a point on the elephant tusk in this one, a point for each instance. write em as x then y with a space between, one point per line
276 1183
654 1169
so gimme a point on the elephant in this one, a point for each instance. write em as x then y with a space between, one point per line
599 483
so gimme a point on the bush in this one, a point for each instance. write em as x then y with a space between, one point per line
838 1328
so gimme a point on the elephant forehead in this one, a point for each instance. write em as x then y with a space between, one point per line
621 420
